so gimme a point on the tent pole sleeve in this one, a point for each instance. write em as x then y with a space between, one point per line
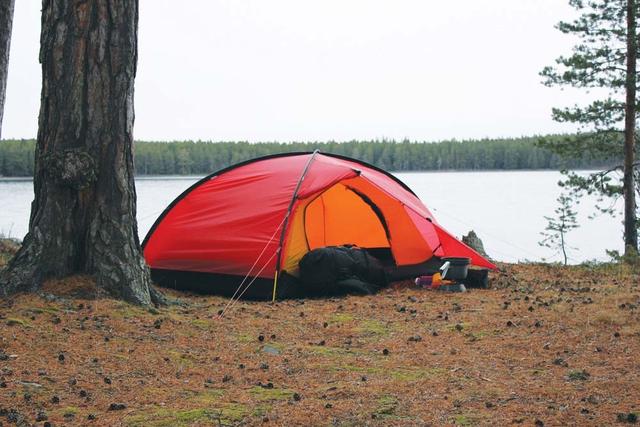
286 220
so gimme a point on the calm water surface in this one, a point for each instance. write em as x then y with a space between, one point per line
506 209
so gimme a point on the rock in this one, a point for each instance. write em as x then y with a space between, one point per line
472 240
582 375
270 350
631 418
560 362
117 407
29 384
15 417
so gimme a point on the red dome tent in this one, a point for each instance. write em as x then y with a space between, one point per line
258 218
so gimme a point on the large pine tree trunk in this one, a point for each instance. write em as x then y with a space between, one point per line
6 21
83 216
630 226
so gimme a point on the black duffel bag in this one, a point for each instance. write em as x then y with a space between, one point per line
339 270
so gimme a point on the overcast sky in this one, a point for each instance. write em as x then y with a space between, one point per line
265 70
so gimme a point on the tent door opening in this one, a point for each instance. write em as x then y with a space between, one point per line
344 216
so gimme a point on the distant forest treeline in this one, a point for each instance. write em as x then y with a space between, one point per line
201 158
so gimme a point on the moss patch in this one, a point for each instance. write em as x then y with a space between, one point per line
341 318
200 324
41 310
462 420
68 411
209 397
262 393
414 374
373 327
333 351
129 311
359 369
182 359
14 321
164 417
245 338
469 419
386 405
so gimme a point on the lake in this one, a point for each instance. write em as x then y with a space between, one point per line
506 210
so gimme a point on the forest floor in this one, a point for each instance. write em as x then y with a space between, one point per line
547 345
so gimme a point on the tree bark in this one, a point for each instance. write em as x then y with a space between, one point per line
6 21
83 216
630 222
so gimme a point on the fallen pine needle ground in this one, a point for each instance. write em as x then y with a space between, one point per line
547 345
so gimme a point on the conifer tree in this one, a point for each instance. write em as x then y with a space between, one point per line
6 21
605 58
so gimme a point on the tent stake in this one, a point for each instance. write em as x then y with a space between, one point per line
275 286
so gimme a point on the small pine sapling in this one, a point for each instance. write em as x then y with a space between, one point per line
554 234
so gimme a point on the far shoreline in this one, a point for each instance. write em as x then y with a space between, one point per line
174 176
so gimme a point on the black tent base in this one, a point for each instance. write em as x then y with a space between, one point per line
261 289
288 286
217 284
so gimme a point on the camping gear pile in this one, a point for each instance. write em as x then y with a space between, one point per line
449 278
251 231
338 270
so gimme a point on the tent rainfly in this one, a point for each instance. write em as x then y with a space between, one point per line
257 219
